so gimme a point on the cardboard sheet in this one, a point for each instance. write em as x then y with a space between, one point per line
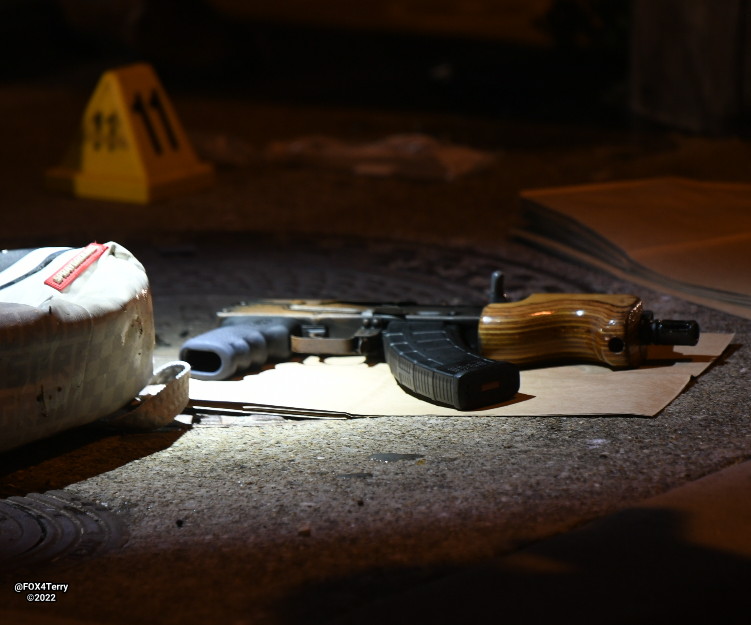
687 237
348 385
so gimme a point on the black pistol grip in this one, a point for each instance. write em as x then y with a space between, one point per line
430 359
237 345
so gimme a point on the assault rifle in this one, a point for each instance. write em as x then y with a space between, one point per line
467 357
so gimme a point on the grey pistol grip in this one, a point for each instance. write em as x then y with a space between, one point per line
430 360
237 345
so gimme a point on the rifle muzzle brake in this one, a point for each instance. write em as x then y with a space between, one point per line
667 331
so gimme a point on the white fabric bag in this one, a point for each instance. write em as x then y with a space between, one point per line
76 341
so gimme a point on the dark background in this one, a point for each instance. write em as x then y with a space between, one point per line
563 91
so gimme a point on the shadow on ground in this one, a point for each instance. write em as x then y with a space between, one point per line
634 567
598 574
76 455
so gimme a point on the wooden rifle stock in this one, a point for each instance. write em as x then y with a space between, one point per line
559 327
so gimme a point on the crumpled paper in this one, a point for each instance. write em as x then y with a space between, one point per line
348 385
407 155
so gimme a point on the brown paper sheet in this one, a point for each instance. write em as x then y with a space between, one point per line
686 237
348 385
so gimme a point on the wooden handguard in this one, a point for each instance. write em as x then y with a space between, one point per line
546 328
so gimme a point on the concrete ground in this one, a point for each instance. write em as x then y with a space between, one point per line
476 520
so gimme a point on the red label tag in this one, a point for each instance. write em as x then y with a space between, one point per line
66 275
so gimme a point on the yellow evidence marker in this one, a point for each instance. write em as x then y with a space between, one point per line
130 146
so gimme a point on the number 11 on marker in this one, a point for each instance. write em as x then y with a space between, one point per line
143 110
